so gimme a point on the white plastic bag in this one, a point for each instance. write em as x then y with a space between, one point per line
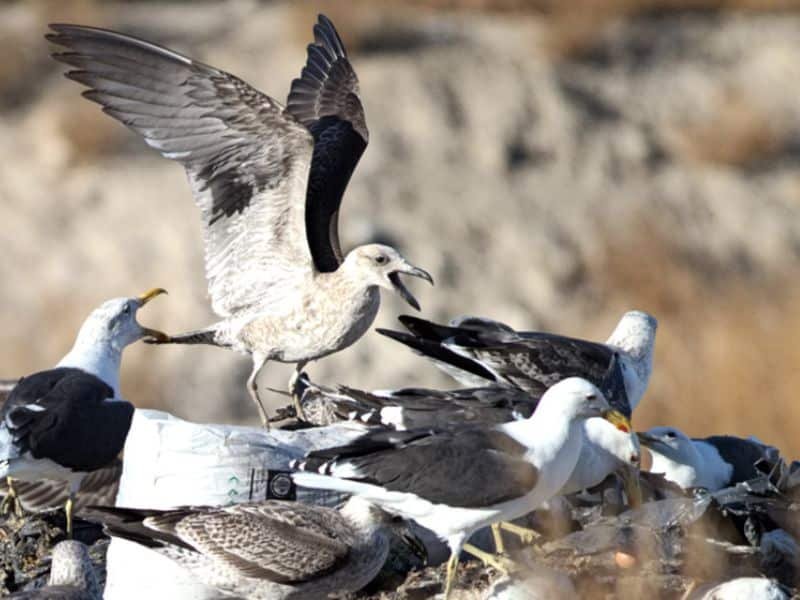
169 462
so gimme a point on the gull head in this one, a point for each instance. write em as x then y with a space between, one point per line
635 334
575 397
370 516
669 442
382 266
114 322
71 566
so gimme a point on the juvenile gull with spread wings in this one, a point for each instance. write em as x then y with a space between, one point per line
267 550
457 482
62 423
268 181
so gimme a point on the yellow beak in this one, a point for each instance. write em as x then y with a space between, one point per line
150 294
619 420
154 334
628 473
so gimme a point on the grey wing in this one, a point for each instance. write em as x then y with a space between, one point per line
325 99
468 468
247 158
284 542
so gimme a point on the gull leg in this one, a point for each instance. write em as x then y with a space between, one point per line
497 535
259 361
74 486
293 390
452 566
526 534
11 502
68 511
501 563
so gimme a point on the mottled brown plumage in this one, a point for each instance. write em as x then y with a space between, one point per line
272 549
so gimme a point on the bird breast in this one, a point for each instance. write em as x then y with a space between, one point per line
319 325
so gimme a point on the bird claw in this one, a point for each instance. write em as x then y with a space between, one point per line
526 535
11 503
505 565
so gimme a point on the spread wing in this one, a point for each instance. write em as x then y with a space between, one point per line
325 100
444 467
246 157
284 542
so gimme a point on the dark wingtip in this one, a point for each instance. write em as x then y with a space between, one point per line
326 30
395 335
410 322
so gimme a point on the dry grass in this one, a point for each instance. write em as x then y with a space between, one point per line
90 135
727 358
738 135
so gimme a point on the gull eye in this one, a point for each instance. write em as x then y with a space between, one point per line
381 259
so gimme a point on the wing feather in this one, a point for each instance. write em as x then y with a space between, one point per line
470 468
528 360
246 157
325 99
285 542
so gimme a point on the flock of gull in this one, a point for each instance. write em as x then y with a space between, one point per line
538 416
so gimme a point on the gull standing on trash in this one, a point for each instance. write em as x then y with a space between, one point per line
268 180
67 421
457 482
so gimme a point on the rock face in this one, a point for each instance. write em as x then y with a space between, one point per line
653 165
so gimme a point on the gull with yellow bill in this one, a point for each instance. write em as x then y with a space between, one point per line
65 422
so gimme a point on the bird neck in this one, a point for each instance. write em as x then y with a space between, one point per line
683 471
548 421
98 357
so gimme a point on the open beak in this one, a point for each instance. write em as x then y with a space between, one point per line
154 334
400 287
618 420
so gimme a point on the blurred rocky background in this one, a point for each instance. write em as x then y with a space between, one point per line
553 164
